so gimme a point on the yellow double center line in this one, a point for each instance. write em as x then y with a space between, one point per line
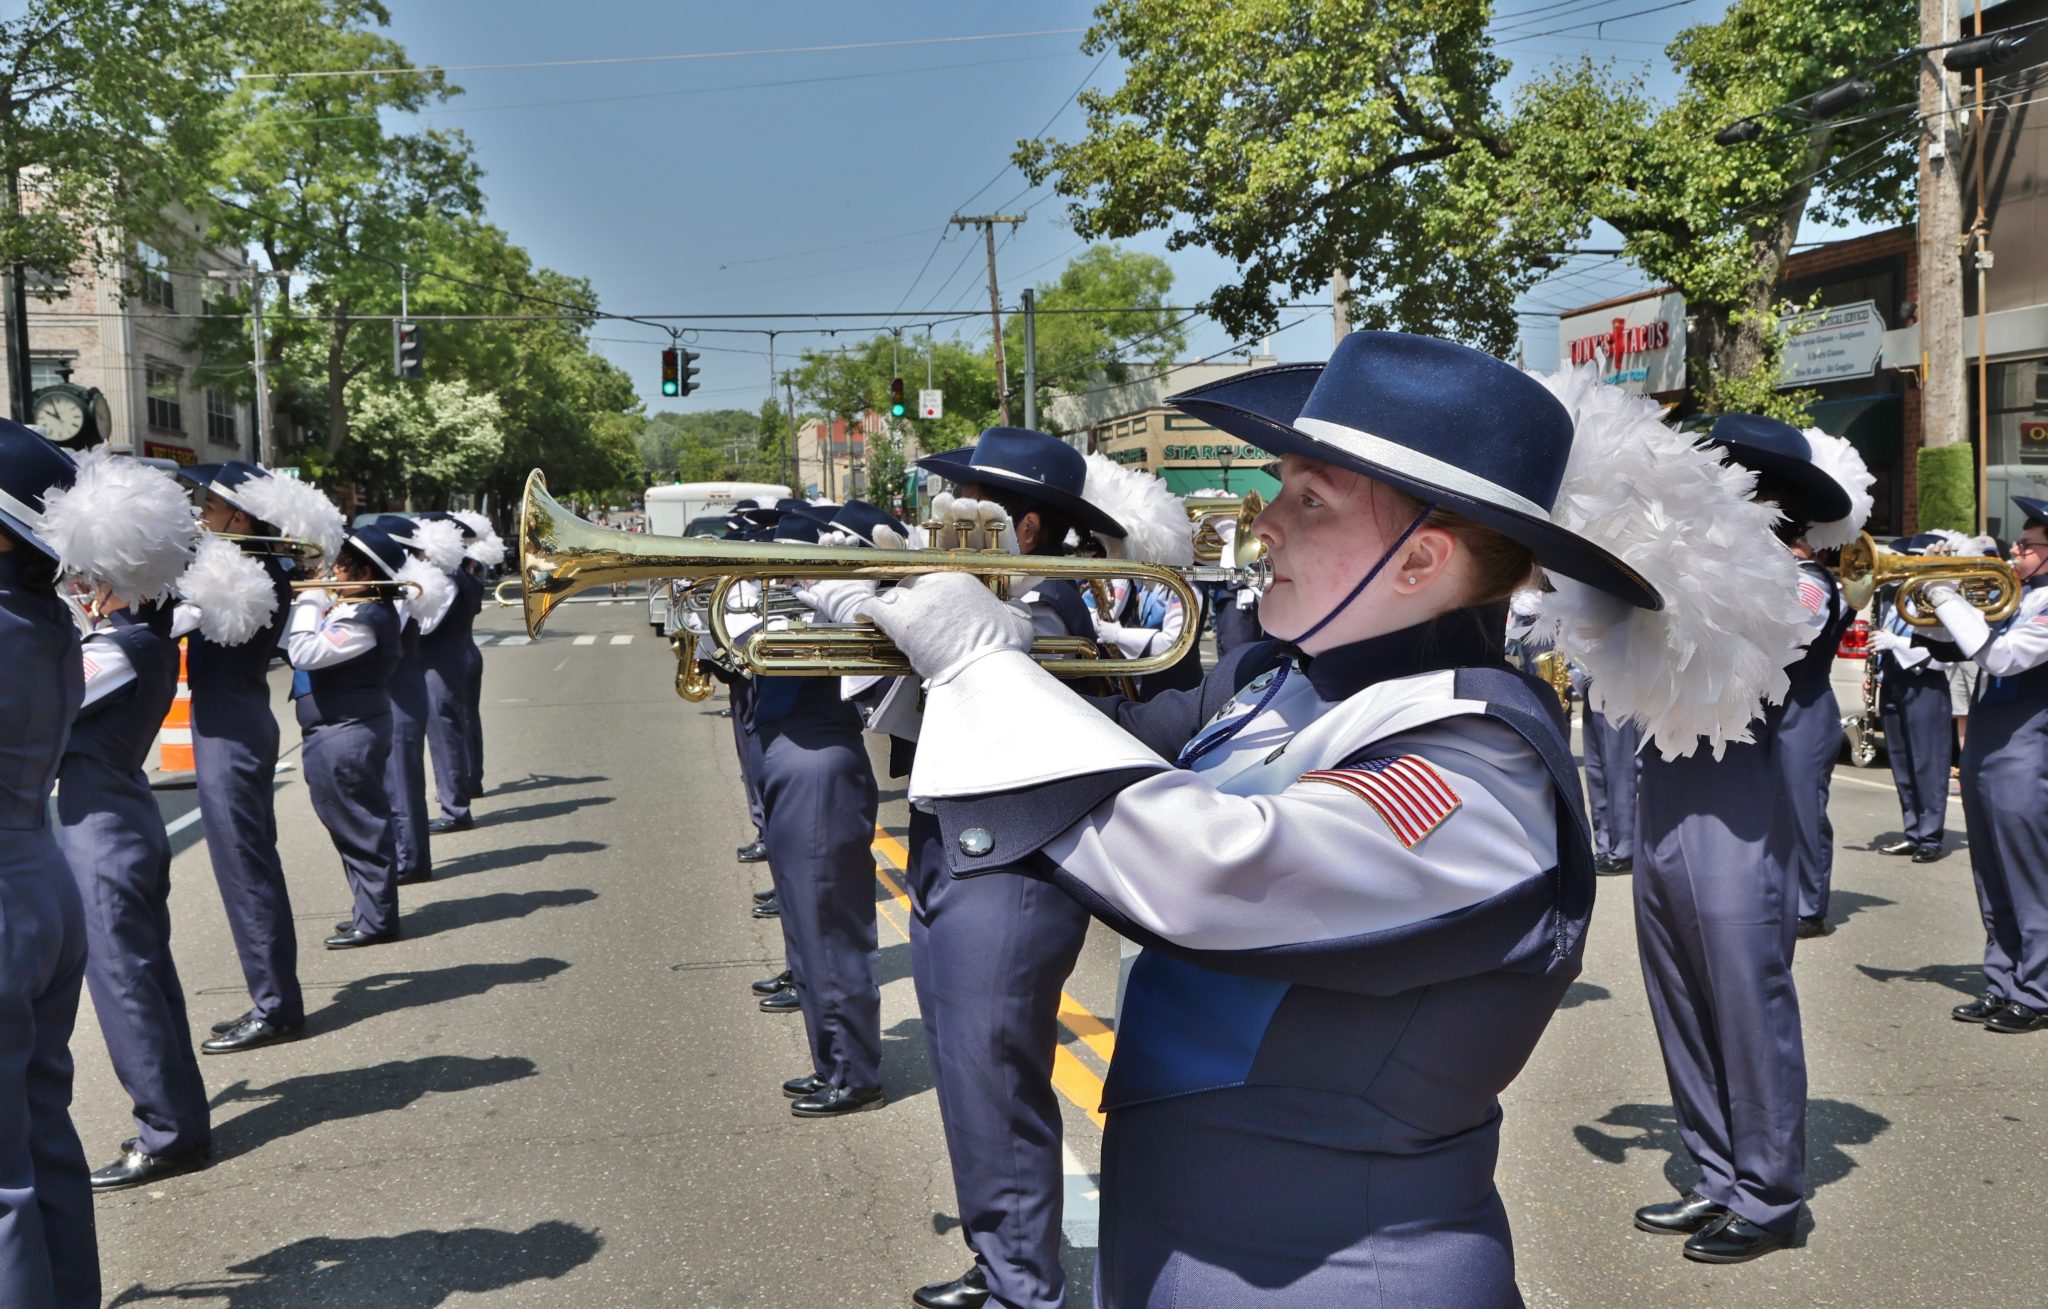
1070 1077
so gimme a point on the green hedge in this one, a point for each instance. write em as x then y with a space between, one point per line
1948 488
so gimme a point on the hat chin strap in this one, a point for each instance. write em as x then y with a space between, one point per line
1366 581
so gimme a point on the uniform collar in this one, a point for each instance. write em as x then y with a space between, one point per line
1462 638
10 567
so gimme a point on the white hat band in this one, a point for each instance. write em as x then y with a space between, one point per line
17 509
1411 463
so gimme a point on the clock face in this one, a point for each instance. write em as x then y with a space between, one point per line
61 416
102 414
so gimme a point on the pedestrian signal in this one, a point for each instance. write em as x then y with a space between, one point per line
406 357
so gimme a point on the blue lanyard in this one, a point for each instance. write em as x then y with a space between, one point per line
1203 745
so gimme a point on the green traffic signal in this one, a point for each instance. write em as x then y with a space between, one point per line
671 383
897 408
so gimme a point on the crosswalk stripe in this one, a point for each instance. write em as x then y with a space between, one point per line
482 638
586 640
623 640
517 640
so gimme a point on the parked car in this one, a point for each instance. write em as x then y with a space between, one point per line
1862 725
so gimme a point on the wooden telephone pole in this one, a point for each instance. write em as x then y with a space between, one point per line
987 224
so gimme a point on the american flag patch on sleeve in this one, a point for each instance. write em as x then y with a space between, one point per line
1411 796
1812 596
337 636
92 667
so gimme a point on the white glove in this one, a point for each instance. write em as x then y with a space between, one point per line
839 537
318 599
946 621
1891 642
1107 632
835 601
888 538
1940 593
987 524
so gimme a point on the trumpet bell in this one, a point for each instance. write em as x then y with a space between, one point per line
1988 584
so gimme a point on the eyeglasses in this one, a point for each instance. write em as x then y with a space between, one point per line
2031 547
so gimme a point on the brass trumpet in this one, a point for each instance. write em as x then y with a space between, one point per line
1988 584
560 554
276 547
1552 668
1245 549
692 682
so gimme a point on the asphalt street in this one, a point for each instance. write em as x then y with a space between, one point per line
556 1089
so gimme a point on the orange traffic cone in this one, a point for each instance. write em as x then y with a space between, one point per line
174 745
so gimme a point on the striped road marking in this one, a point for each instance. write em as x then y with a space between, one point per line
627 639
586 640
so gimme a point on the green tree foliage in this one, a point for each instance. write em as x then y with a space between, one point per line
1077 350
1948 488
1297 137
416 442
716 445
106 119
1717 222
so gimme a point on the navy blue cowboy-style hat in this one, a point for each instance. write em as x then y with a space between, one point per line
30 467
1913 545
1773 448
1447 424
225 480
400 528
1038 467
795 522
2032 508
379 546
855 516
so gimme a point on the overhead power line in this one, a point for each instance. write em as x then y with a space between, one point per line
685 57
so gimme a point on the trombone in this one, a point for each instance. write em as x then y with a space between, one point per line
560 554
377 585
1988 584
275 547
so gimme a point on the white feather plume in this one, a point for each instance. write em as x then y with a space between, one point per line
1527 602
1838 459
441 542
1702 668
1156 524
233 592
488 548
296 509
436 587
121 524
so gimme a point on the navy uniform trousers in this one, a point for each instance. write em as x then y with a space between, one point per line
49 1251
345 714
405 769
234 753
453 664
1611 784
1715 887
818 797
473 702
1919 722
737 694
1809 741
114 839
989 956
2005 759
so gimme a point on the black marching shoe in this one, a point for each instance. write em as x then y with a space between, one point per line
753 852
763 897
834 1101
769 908
414 878
353 937
1977 1010
2016 1017
1691 1212
227 1025
1733 1240
1902 846
251 1033
1928 854
443 826
1609 866
1813 925
782 1002
796 1088
134 1168
967 1291
770 985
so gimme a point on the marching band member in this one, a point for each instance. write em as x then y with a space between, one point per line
344 642
1356 856
483 551
1144 618
1610 750
121 528
2005 756
235 735
453 666
751 521
1717 880
405 770
818 799
1913 702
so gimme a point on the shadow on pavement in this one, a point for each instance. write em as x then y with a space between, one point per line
447 915
1830 1125
413 1270
384 993
485 861
906 1064
892 963
541 781
1965 978
527 813
1579 993
298 1103
1844 905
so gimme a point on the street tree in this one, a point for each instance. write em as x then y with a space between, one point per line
1298 138
1077 350
1717 222
412 444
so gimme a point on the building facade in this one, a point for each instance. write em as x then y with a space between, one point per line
1133 425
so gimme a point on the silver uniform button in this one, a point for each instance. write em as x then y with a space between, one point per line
976 841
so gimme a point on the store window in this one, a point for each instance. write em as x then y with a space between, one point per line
153 276
46 372
221 426
160 389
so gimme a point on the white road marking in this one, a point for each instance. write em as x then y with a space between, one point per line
1955 800
517 640
180 823
585 640
1081 1217
482 638
623 640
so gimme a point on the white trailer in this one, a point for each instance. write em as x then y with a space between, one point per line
695 509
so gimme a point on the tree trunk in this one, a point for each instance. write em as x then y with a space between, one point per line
1735 340
337 379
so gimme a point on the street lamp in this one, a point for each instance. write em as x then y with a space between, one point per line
1226 458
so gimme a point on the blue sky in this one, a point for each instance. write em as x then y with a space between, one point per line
821 181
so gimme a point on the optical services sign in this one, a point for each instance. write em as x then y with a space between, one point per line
1639 345
1830 344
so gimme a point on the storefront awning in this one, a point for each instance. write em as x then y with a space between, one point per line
1182 481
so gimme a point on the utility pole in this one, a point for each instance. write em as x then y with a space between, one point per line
987 224
1980 236
20 386
262 370
1340 309
1940 293
796 454
1030 357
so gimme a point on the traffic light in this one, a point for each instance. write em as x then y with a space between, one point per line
897 408
671 379
406 360
688 360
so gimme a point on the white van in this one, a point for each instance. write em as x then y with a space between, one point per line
695 509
